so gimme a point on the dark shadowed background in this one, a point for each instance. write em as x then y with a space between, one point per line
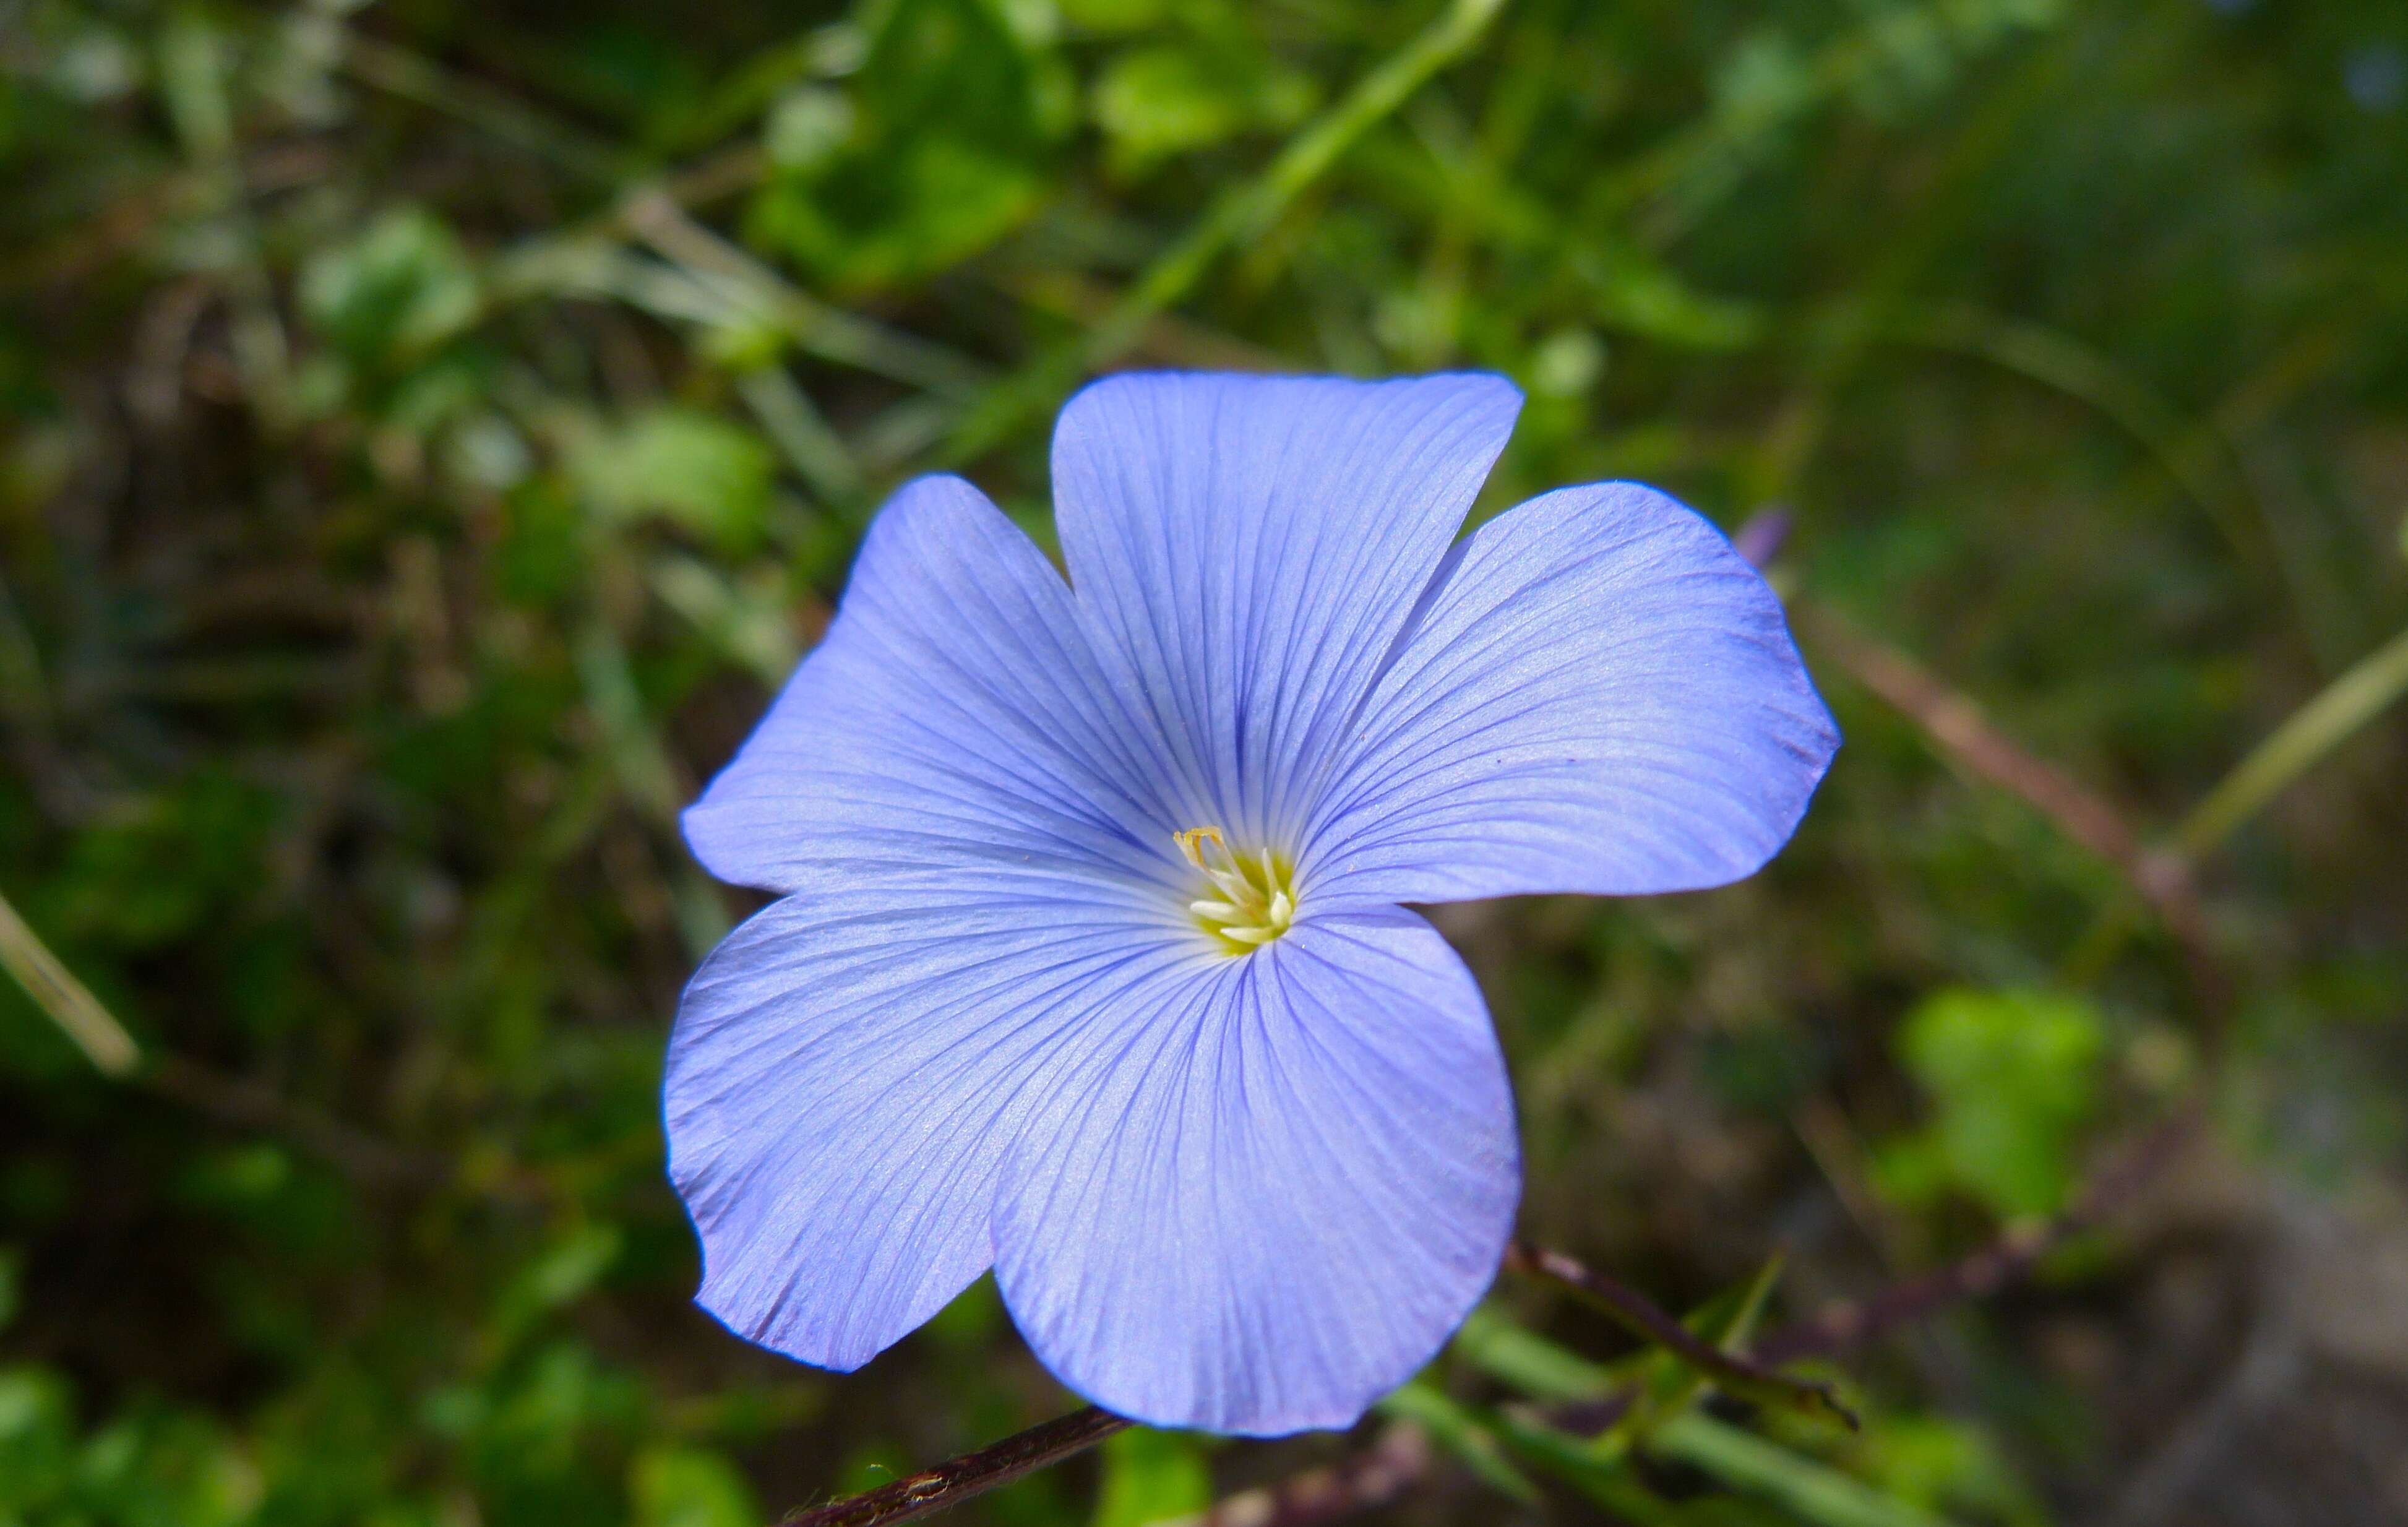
429 429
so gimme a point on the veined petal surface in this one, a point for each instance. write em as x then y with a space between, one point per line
954 715
1250 546
1601 697
953 797
846 1074
1260 1204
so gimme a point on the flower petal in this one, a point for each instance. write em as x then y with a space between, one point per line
955 712
1601 697
1252 545
1265 1200
846 1073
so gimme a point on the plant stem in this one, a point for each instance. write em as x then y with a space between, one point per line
68 1001
956 1481
1639 1315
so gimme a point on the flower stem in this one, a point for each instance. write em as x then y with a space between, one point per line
1635 1312
951 1482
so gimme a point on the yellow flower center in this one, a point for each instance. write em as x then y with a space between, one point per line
1252 896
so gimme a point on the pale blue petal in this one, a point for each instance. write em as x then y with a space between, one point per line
955 712
1252 545
1601 697
952 791
847 1073
1260 1201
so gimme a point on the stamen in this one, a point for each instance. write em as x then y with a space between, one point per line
1256 897
1191 843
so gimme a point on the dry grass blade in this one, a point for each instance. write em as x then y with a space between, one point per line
68 1001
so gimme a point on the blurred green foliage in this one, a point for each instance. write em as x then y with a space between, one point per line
429 429
1150 1476
2013 1079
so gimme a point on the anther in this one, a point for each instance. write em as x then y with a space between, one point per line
1256 902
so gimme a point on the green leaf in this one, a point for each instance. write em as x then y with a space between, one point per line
1462 1431
1668 1384
1156 102
925 208
1605 1479
750 619
2012 1078
807 127
1150 1476
689 1487
400 289
1932 1462
938 153
194 62
1497 1344
37 1440
163 867
692 467
154 1463
563 1273
1637 295
1107 16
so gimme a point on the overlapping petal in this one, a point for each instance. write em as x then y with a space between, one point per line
1262 1204
953 794
1601 697
953 790
846 1074
955 713
1252 546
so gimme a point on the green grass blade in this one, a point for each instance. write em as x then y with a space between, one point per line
1813 1490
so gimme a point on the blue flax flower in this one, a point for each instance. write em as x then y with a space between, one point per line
1093 962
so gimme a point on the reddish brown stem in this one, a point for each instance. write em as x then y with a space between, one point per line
956 1481
1844 1327
1957 728
1745 1376
2160 877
